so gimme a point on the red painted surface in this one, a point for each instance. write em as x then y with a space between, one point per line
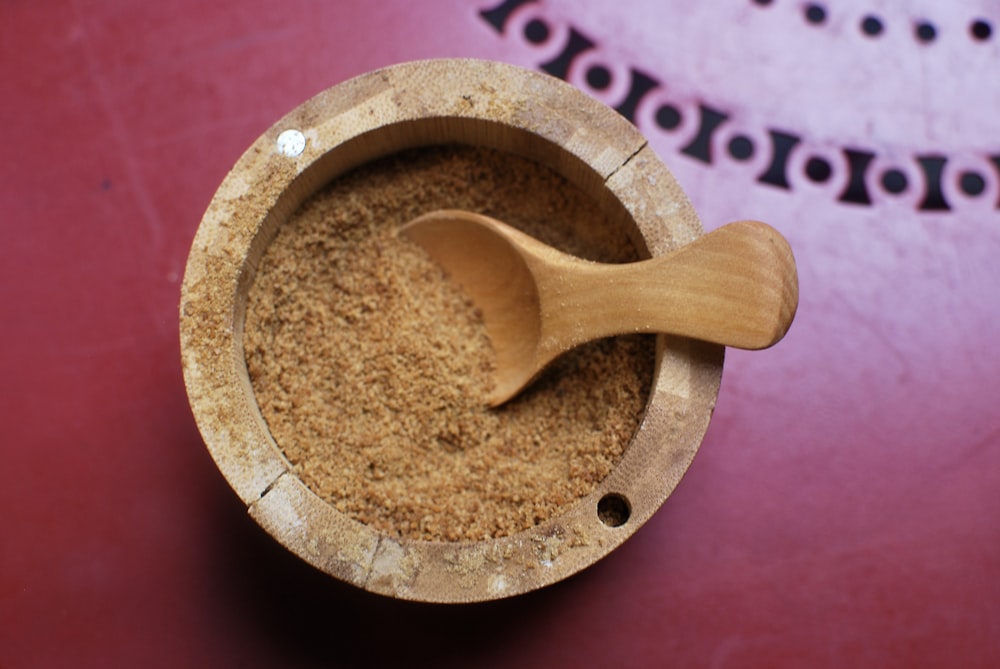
844 509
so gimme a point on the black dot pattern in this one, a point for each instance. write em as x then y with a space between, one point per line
894 181
668 117
741 147
776 156
980 30
872 25
925 32
972 183
818 170
815 14
598 77
536 31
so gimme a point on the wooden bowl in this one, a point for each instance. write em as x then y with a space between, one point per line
410 105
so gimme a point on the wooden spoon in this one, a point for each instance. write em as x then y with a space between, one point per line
735 286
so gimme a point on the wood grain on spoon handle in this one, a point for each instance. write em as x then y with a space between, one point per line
735 286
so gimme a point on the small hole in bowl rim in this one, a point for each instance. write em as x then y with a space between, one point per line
613 509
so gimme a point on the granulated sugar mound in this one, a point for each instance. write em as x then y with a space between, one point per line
371 368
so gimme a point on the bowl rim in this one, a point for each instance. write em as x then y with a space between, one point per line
404 106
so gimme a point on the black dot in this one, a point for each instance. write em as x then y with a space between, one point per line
599 77
818 170
894 181
926 32
536 31
981 30
972 183
872 26
762 2
668 117
741 147
815 14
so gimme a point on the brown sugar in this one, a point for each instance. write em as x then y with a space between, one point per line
371 369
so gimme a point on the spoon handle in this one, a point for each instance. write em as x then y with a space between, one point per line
735 286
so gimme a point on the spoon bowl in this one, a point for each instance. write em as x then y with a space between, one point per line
736 286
